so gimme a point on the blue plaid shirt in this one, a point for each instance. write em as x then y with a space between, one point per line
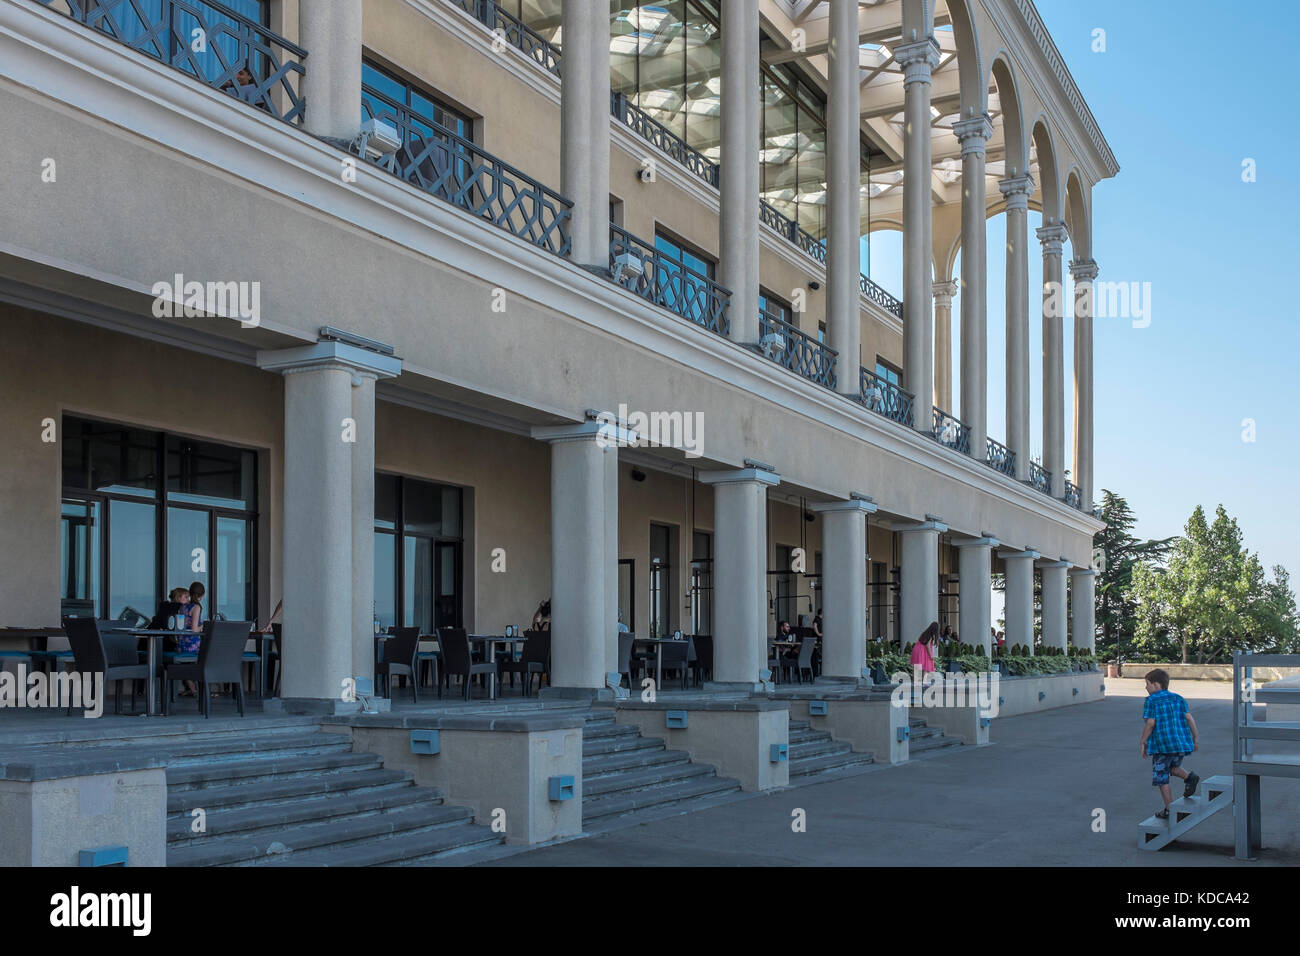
1171 734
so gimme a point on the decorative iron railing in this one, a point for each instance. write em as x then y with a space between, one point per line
440 162
514 31
792 348
1072 496
167 30
879 296
949 430
886 398
792 231
659 135
668 283
999 457
1040 478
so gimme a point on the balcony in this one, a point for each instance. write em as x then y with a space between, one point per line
243 58
885 398
999 457
796 350
1040 478
647 272
660 136
514 32
889 303
950 431
437 161
792 231
1072 496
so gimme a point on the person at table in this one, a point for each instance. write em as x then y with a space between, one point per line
542 616
817 624
192 624
273 619
784 632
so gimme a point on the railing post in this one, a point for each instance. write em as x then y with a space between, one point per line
331 32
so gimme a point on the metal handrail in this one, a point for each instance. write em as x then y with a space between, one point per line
888 302
999 457
885 398
1040 478
517 33
654 277
453 168
1072 496
949 430
657 134
792 348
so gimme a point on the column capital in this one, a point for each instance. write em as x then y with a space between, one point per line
909 527
340 355
944 291
918 60
973 133
737 475
1011 554
1076 572
1052 237
983 542
606 433
861 505
1046 564
1084 270
1017 190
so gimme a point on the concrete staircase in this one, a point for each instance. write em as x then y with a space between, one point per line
814 753
1186 812
627 778
924 739
295 796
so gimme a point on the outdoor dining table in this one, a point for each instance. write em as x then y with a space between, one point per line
153 637
659 643
778 647
491 641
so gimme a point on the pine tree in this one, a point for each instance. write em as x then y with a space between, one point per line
1117 553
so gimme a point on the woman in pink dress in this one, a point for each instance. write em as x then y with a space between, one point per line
922 659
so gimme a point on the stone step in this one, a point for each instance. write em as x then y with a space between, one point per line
821 747
800 725
281 791
247 822
800 769
208 776
422 847
608 728
624 802
924 744
800 736
623 743
923 732
218 748
630 760
252 847
640 779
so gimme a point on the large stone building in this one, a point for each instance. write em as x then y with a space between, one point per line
592 327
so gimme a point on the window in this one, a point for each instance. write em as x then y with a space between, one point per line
627 592
419 554
787 586
409 108
702 583
777 308
888 373
144 512
679 280
821 333
661 585
675 251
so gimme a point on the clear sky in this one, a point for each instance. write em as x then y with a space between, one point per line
1184 93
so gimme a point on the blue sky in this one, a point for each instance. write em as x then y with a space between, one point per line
1183 93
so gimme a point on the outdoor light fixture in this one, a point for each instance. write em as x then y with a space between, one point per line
379 141
875 397
638 474
772 344
630 263
814 284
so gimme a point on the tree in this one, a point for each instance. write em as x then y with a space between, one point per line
1212 598
1117 554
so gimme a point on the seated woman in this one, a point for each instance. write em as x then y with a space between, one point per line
193 624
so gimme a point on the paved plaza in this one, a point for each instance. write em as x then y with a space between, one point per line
1027 799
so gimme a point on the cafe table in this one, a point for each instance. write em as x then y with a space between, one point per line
659 643
153 638
780 647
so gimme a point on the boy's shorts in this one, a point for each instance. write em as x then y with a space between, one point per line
1161 764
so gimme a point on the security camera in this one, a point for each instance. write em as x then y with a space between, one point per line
645 174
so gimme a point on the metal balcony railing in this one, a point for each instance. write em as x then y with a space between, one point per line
454 169
791 230
165 30
514 31
891 304
1040 478
999 457
949 430
792 348
1072 496
885 398
668 283
659 135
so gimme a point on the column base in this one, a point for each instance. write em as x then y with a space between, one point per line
575 693
328 706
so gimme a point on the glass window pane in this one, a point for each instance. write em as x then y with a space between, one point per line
386 501
234 568
206 473
779 149
189 553
122 459
385 579
421 507
80 526
131 558
661 64
543 16
812 176
448 598
623 43
451 507
703 44
418 583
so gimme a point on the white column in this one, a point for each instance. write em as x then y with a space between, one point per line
973 134
919 587
1053 237
1084 272
1019 597
738 178
611 560
943 293
843 196
1017 192
584 130
328 491
739 573
579 597
974 598
844 586
1083 608
1055 621
330 32
917 59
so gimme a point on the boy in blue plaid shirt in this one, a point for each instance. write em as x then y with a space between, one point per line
1168 735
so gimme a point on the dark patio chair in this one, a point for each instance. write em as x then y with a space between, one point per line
536 659
277 654
114 656
804 662
676 657
702 657
625 641
456 659
220 661
433 659
399 660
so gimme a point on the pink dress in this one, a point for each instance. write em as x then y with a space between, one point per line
921 658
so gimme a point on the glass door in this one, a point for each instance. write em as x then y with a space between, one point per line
81 539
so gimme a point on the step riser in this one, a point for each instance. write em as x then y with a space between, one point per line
405 833
204 786
238 804
220 826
